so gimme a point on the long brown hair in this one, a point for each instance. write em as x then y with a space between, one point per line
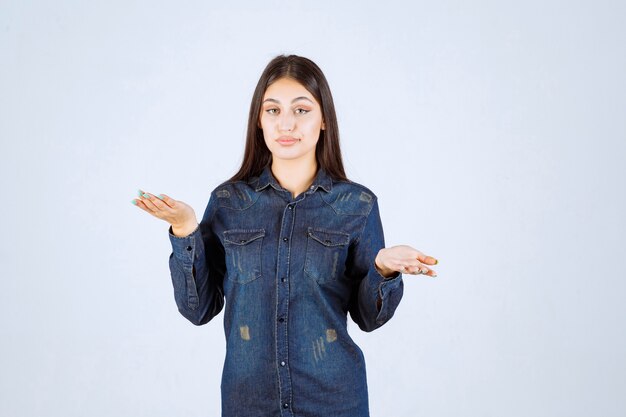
327 151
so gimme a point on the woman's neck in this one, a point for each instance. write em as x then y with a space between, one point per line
293 175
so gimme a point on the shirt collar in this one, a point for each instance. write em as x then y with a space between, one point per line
322 179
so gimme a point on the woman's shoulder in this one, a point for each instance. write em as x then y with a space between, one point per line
350 197
365 193
235 194
231 185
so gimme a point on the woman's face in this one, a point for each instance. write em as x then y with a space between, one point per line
291 120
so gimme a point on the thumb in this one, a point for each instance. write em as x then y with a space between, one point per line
428 260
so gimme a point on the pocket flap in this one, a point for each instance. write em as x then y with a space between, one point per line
242 236
329 238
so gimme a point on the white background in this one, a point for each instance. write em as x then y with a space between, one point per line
494 135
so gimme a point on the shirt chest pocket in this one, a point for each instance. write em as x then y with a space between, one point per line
242 248
326 253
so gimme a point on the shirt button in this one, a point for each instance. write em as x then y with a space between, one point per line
281 319
282 363
290 207
285 239
189 248
312 187
283 279
285 405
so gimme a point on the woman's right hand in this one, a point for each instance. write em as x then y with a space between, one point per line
177 213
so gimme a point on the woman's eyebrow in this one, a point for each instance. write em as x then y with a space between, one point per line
295 99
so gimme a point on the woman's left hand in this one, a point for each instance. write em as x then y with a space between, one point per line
404 259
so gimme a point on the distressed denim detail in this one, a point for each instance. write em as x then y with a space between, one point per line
287 271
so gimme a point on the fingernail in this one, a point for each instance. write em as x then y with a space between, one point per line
139 193
436 261
134 202
146 195
160 196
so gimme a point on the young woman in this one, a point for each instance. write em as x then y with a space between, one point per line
293 246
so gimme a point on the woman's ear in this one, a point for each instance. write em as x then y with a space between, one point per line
323 125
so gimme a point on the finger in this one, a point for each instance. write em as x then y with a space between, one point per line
411 269
157 202
162 197
143 201
141 205
412 264
423 269
149 200
167 200
429 260
428 272
417 269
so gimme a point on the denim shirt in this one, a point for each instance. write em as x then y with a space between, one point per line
287 271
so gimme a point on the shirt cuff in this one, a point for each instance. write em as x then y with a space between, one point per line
390 293
185 247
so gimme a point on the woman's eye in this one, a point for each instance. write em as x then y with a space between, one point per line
298 111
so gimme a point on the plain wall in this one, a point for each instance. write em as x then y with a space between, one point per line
493 133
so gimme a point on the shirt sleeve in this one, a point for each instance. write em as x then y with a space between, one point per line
375 297
197 270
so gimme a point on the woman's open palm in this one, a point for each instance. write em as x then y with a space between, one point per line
405 259
177 213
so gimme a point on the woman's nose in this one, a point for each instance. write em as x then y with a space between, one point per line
286 122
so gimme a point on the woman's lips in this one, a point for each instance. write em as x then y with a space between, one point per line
287 140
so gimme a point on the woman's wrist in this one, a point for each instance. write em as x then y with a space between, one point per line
184 230
385 272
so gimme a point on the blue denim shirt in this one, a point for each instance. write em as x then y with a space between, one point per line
289 270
